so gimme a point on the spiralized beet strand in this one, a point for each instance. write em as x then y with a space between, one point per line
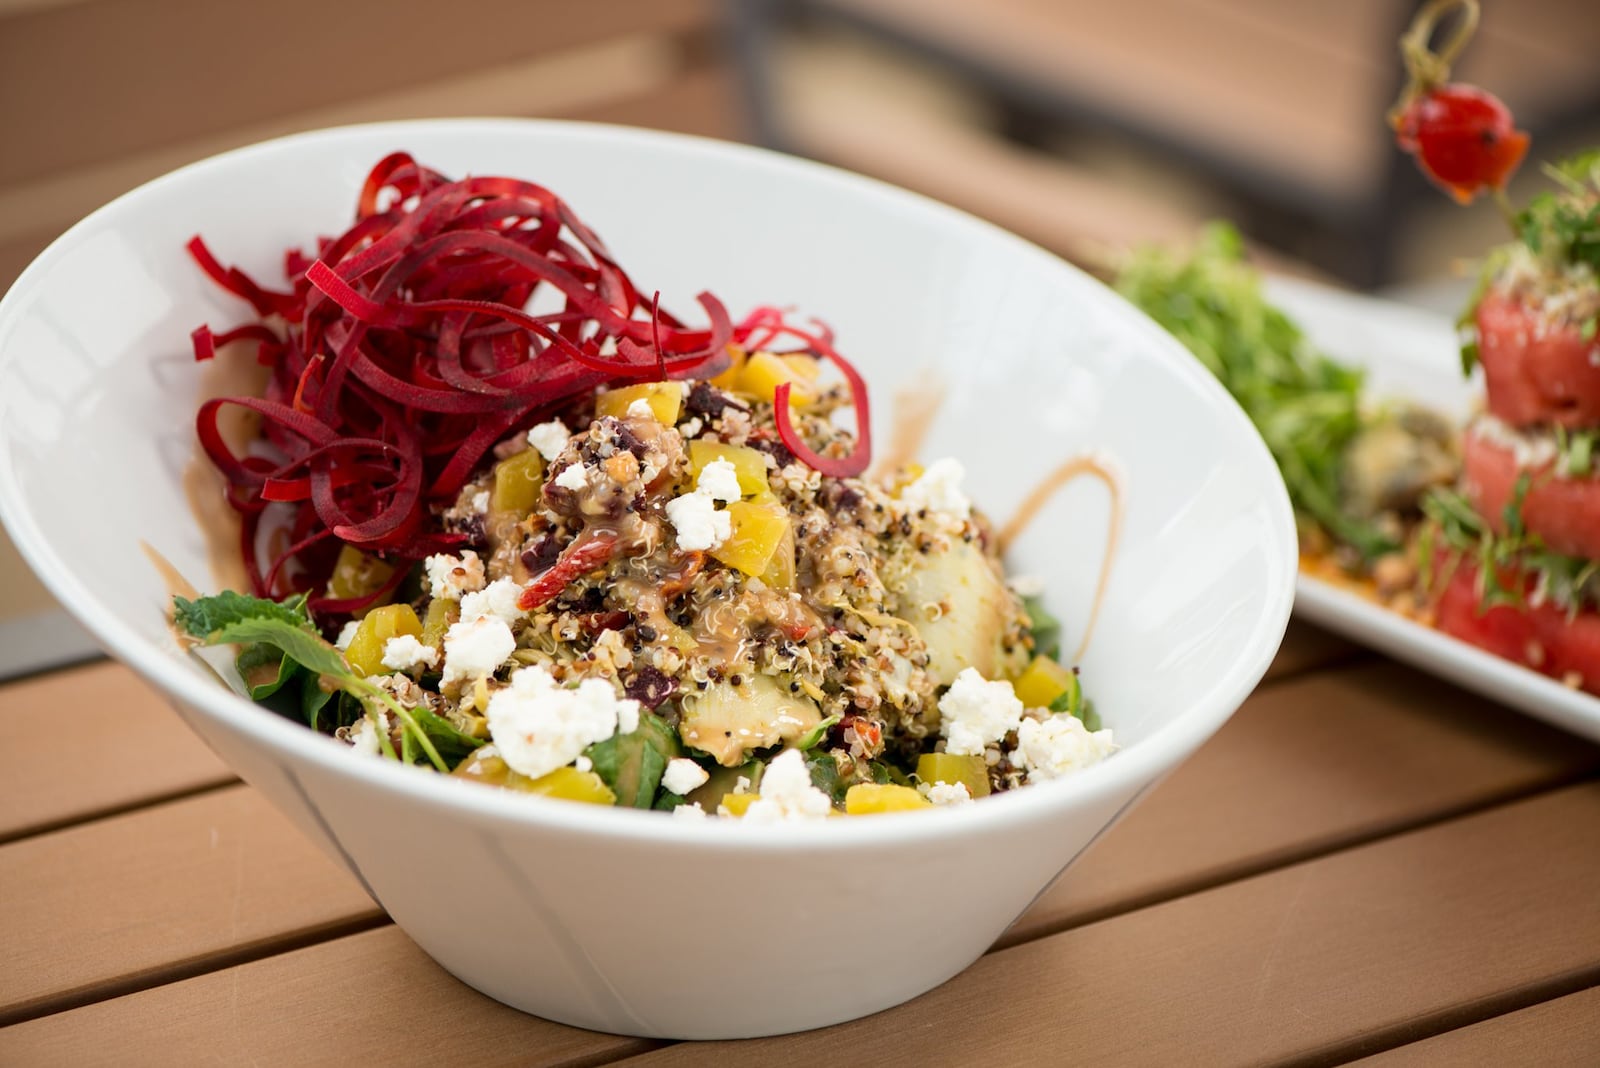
404 348
766 325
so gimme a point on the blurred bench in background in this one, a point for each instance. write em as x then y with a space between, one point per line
1269 111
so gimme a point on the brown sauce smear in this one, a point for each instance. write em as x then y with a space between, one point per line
233 373
1048 487
914 410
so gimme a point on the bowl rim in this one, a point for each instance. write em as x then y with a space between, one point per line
1127 773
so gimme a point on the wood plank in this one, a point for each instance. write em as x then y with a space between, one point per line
1307 647
114 743
161 893
1306 767
1563 1031
371 998
1307 964
165 71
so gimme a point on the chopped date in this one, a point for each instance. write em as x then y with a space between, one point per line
649 686
707 401
542 556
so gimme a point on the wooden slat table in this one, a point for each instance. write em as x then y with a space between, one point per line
1364 863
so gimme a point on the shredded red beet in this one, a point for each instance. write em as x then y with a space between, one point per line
404 350
766 325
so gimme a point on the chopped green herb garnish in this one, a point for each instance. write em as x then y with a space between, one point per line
1306 406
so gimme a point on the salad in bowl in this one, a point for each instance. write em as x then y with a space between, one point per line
704 498
593 554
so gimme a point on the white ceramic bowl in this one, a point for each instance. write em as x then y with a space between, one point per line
620 920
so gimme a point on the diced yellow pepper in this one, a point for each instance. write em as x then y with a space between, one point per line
1042 682
664 399
764 372
749 464
780 572
356 574
728 381
736 805
566 784
904 476
949 768
758 528
570 784
871 798
365 652
442 612
517 481
807 367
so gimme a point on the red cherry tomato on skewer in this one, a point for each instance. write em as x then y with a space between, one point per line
1463 138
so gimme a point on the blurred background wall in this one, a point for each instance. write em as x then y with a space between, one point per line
1085 125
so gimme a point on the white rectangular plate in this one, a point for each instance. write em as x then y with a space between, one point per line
1411 353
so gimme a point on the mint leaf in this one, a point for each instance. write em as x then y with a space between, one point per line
264 670
204 617
300 644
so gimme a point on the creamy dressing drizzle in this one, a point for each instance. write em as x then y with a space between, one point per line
1034 503
914 410
233 373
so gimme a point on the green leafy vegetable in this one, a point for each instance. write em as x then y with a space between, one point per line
204 617
632 764
1306 407
284 629
1045 628
1071 699
825 775
813 737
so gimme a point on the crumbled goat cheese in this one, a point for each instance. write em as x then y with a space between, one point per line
583 763
698 523
692 427
480 501
539 726
938 489
347 634
787 794
498 600
404 652
946 793
683 775
719 480
474 648
452 576
549 438
975 713
573 477
1529 448
1058 746
364 737
640 409
691 811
